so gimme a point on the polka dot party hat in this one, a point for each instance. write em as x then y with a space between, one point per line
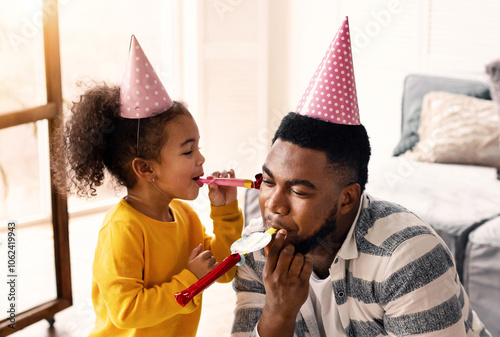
142 94
331 94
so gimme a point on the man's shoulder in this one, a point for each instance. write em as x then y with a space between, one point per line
385 213
383 225
374 208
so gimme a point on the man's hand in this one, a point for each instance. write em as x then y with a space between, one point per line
286 280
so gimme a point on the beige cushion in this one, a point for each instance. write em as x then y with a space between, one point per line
458 129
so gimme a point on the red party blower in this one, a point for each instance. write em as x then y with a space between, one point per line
239 249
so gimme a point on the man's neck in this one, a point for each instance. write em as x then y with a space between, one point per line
325 253
322 264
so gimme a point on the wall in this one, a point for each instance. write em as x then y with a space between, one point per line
256 58
390 39
241 65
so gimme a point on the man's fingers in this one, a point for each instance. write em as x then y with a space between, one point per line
285 259
307 269
266 250
296 265
274 251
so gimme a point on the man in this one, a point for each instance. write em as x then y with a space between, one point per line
343 263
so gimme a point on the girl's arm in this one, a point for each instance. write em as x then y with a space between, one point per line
228 224
118 273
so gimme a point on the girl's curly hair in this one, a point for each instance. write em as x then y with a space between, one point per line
96 138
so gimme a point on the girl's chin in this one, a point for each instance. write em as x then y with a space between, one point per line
193 194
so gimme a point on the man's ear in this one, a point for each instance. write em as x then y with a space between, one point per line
349 197
142 169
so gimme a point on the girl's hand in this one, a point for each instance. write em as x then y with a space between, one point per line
201 264
221 195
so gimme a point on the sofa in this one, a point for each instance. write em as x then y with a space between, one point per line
460 199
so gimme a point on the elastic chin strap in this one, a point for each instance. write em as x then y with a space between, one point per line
154 184
137 143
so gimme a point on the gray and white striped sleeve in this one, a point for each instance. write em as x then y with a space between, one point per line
250 296
421 294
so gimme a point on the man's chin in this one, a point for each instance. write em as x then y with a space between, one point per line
303 247
318 240
300 244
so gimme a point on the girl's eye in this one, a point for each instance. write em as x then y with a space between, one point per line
191 151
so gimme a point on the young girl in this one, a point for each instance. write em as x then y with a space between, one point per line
151 245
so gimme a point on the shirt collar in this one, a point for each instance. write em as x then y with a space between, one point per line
349 249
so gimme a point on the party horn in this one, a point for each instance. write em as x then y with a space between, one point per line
234 182
239 249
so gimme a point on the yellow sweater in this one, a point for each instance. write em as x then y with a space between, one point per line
140 263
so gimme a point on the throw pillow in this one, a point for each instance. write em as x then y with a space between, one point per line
493 70
458 129
416 86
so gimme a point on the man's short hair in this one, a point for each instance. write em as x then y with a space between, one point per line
347 147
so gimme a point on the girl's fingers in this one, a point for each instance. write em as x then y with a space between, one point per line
222 174
206 255
195 252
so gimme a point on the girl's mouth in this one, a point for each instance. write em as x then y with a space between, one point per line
200 184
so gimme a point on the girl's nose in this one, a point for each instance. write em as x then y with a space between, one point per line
201 160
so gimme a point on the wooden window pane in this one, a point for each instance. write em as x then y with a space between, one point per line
24 173
99 52
35 268
22 78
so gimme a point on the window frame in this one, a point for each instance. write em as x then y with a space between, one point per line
51 111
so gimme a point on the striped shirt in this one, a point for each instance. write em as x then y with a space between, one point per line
393 276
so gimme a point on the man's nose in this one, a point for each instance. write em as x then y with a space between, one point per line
277 202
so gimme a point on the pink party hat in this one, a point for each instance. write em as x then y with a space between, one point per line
142 94
331 94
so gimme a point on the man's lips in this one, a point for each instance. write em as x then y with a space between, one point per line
269 223
272 220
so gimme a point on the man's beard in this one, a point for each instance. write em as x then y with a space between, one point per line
323 237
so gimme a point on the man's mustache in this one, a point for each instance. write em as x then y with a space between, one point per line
273 222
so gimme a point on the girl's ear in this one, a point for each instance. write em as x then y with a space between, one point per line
349 197
143 169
